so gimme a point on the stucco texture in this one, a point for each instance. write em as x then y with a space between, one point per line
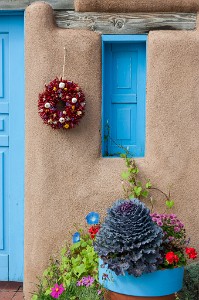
66 177
137 5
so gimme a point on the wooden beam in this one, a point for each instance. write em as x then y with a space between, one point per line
127 23
22 4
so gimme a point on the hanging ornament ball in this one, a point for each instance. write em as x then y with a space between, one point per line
47 105
74 100
62 120
61 104
61 85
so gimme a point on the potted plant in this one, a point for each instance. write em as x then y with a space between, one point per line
142 254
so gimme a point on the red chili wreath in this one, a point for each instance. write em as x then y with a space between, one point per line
62 104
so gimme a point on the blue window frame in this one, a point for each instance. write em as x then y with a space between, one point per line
123 94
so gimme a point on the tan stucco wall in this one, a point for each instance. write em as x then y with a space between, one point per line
137 5
65 174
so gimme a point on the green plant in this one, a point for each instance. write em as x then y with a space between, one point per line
76 261
132 184
72 292
133 187
190 289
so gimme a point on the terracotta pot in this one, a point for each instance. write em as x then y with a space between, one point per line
116 296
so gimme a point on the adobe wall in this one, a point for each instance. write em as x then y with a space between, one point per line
137 5
66 177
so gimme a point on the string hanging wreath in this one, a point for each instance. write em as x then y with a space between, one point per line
62 103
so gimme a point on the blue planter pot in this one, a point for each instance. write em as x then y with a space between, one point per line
156 284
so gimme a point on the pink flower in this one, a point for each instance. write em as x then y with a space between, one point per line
160 223
57 290
99 292
154 219
173 222
86 281
80 282
176 229
173 216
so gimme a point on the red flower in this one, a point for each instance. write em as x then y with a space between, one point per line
93 230
171 258
191 252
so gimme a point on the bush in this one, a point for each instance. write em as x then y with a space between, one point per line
74 275
190 289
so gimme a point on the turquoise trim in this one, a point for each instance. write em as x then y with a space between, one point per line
11 13
17 150
124 38
124 108
12 113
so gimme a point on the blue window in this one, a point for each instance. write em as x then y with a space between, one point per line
123 94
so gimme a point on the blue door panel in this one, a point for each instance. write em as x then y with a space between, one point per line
4 267
16 145
11 146
124 89
2 155
4 151
122 70
123 121
124 117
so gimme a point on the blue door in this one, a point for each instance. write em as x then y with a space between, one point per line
11 145
124 94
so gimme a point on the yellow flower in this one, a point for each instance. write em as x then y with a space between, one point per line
73 107
66 126
65 89
54 89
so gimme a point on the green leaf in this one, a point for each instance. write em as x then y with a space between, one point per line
34 297
148 185
169 203
137 190
132 196
79 270
63 251
144 193
135 170
75 246
48 291
125 175
83 244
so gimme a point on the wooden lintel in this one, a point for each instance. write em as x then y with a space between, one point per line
22 4
127 23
